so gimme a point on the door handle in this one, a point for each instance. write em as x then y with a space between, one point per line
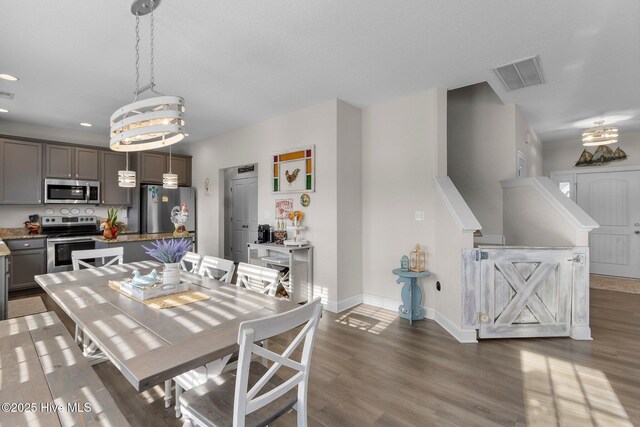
637 231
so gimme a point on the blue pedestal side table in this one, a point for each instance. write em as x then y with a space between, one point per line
411 294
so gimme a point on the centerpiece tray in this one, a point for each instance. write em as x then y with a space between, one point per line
153 290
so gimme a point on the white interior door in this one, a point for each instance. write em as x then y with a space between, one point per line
244 216
613 201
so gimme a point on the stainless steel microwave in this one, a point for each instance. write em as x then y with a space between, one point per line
71 191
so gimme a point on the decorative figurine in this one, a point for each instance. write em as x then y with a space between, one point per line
417 260
404 263
179 217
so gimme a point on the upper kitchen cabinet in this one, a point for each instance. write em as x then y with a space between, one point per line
62 161
151 166
21 172
182 167
112 194
86 163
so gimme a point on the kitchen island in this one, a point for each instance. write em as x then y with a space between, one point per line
132 244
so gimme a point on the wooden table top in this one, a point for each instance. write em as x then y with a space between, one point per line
151 345
42 367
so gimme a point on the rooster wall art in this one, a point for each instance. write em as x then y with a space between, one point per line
292 176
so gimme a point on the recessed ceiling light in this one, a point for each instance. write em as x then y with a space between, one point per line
85 124
8 77
3 110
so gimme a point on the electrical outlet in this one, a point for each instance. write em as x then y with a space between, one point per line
419 215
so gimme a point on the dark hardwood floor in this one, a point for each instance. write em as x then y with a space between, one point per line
371 368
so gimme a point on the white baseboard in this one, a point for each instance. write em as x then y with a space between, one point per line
342 305
463 336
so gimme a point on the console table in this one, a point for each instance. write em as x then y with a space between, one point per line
411 294
299 261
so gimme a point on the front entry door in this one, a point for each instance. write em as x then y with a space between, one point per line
244 216
526 292
612 199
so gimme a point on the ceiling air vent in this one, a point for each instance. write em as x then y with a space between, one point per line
519 74
6 95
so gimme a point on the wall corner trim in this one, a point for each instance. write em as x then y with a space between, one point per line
460 211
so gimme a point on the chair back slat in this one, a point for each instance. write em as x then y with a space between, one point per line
252 331
78 257
194 260
216 268
257 278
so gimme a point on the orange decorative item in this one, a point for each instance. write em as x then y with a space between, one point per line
295 217
111 226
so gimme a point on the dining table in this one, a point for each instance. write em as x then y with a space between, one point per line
150 345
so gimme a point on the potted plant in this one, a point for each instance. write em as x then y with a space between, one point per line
170 253
111 226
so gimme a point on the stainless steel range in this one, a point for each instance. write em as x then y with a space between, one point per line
66 234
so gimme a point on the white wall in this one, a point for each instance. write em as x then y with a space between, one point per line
563 155
481 151
349 186
530 220
256 144
533 150
399 160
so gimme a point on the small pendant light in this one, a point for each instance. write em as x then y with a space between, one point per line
127 178
169 180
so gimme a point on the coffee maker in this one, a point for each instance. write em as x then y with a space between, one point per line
264 235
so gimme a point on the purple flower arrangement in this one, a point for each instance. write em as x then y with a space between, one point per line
169 251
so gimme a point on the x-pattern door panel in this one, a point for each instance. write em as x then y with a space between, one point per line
526 292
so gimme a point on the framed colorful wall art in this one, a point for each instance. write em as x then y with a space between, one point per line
294 170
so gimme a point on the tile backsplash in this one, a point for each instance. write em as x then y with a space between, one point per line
14 216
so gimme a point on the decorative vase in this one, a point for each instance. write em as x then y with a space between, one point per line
171 274
110 233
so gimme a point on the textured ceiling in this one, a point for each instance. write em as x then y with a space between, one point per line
240 61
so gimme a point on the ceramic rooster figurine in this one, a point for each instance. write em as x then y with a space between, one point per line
179 217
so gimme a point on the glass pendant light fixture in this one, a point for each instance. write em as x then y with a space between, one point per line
599 135
127 178
169 180
148 123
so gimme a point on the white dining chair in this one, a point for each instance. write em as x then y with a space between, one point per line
256 278
217 268
78 260
235 398
191 262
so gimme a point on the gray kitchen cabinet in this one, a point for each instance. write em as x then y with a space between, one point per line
20 172
86 163
182 167
62 161
58 161
110 163
28 259
151 166
133 251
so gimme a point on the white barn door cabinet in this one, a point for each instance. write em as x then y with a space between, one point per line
526 292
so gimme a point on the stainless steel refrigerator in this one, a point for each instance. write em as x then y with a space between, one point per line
156 203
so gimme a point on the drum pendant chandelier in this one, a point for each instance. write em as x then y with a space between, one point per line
599 135
148 123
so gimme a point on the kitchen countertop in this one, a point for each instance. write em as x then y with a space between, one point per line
4 250
18 233
126 238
